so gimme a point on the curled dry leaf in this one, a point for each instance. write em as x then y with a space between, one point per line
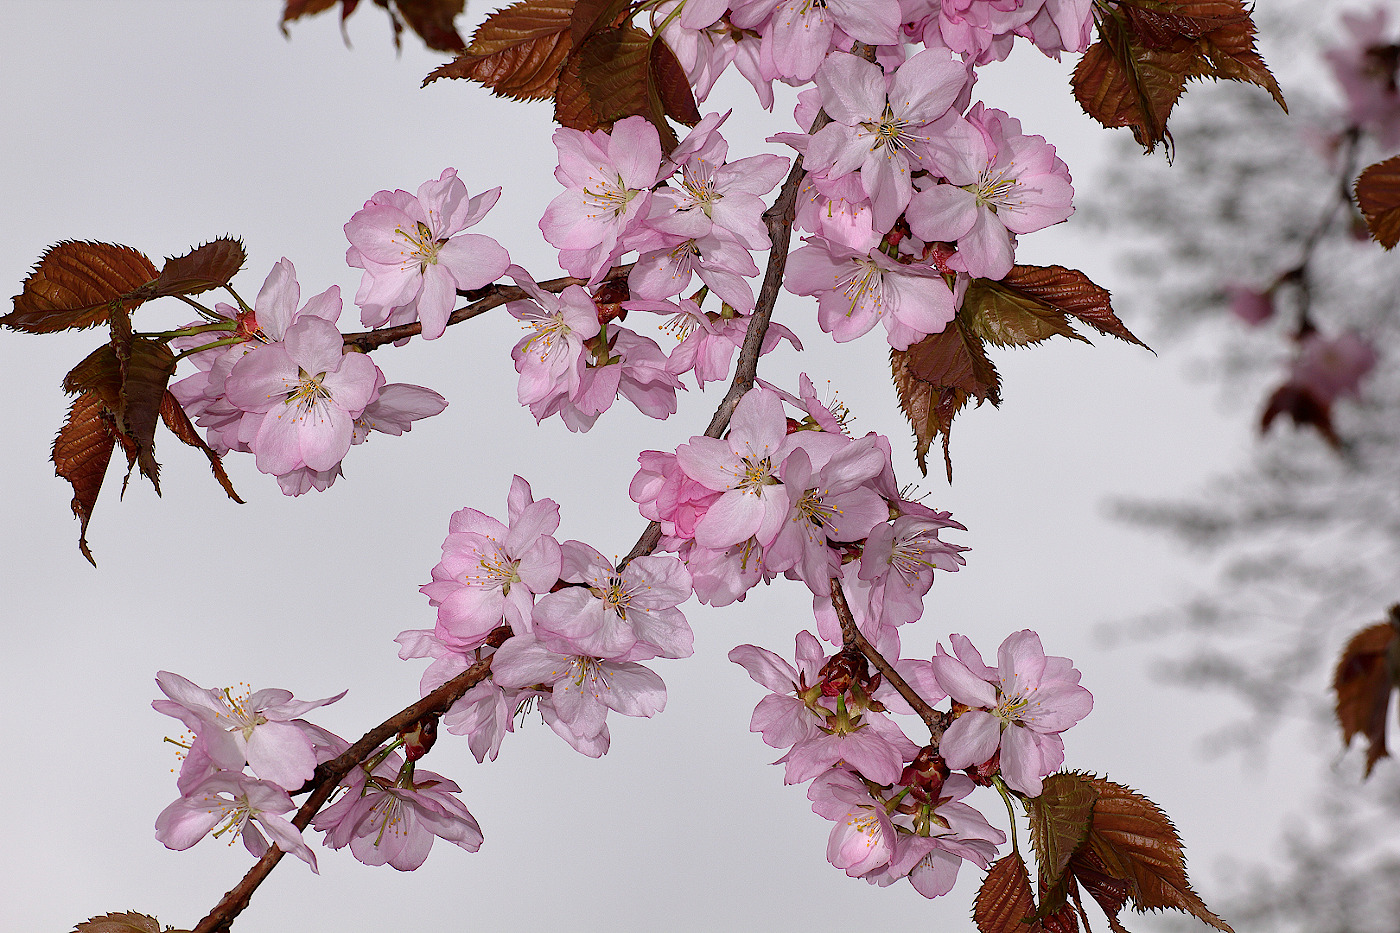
179 424
1366 674
76 283
1378 196
517 52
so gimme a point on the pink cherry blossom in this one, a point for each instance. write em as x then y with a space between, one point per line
393 816
237 804
415 255
609 178
490 573
880 123
262 729
1000 182
1019 709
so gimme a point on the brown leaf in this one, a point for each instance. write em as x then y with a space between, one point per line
433 21
1110 893
1137 845
99 372
212 265
589 16
125 922
146 374
934 380
1148 49
1365 676
1223 35
1006 317
296 9
1071 292
572 107
1120 84
1059 819
1378 195
75 284
613 66
1004 903
81 453
179 424
518 51
672 86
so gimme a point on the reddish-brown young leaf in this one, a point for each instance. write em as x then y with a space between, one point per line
1006 317
179 424
433 20
934 380
613 66
1378 195
125 922
81 453
518 51
99 372
672 86
1004 903
212 265
1226 49
1071 292
296 9
1160 27
1138 845
1110 893
589 16
572 107
1059 819
1119 84
1365 676
75 284
146 373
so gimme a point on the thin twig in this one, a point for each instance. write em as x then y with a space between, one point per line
328 776
851 635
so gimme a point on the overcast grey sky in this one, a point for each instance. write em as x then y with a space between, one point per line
161 125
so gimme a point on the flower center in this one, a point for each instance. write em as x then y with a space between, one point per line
309 391
812 508
423 246
699 183
995 191
612 197
866 282
755 474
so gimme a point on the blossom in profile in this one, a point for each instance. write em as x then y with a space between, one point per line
415 255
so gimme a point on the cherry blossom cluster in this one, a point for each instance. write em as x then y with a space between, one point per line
386 814
896 808
284 389
564 628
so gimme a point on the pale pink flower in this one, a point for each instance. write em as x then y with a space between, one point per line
550 360
415 255
393 817
308 392
858 290
237 804
609 178
880 124
1019 709
263 729
1331 367
490 573
1000 182
627 614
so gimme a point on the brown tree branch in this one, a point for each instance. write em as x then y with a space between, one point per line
851 635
